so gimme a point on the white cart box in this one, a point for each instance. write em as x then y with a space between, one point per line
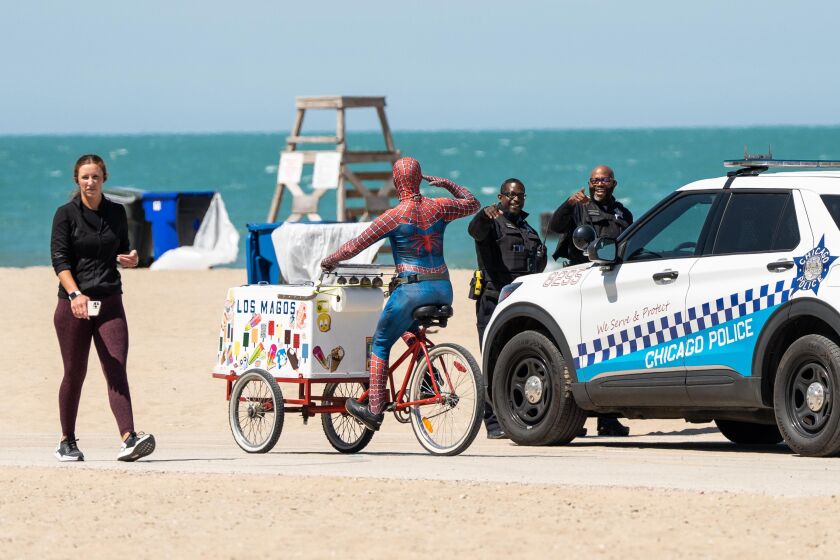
298 331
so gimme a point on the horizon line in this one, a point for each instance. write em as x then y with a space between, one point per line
423 130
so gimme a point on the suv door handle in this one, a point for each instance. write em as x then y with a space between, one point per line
779 266
666 274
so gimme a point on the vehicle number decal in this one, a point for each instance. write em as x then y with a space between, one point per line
563 278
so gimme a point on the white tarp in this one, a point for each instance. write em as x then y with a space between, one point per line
216 242
300 248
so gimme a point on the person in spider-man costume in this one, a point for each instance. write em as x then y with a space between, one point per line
415 229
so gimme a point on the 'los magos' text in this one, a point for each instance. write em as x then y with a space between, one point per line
266 307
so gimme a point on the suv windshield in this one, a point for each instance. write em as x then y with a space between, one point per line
673 231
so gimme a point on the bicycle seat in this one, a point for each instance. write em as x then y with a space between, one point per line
433 315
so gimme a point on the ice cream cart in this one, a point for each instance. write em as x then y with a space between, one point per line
319 336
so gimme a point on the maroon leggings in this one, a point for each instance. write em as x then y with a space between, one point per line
109 332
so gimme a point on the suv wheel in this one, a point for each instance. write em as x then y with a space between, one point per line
748 433
807 386
532 393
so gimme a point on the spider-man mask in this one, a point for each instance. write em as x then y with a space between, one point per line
407 177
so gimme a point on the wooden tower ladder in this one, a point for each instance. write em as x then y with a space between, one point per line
351 183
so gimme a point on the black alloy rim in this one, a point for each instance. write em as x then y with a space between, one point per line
808 422
521 409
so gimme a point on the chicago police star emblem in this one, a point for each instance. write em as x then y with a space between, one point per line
812 268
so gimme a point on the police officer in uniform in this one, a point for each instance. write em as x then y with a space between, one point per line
599 209
609 218
506 247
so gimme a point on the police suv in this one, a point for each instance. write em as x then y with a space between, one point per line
721 303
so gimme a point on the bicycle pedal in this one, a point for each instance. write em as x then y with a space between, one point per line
390 407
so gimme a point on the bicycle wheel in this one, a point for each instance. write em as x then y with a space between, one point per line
448 427
255 411
345 433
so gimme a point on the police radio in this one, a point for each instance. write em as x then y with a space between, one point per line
535 257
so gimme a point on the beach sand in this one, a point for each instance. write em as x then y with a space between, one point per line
76 510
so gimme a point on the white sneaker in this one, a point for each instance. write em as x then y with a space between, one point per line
136 446
67 450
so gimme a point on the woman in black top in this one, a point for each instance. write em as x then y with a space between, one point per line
89 239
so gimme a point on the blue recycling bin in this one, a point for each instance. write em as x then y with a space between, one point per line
174 216
262 263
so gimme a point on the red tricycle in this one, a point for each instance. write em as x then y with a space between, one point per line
319 335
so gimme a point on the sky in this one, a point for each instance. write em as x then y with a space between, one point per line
113 66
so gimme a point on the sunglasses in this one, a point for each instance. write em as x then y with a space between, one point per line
512 195
601 180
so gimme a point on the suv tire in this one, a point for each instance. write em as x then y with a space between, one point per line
748 433
532 392
805 391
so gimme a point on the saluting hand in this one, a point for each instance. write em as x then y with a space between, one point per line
128 260
492 212
578 198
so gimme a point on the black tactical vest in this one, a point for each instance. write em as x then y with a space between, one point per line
608 219
516 250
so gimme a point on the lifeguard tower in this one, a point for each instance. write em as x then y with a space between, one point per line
335 167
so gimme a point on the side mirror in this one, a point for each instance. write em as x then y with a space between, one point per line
583 236
603 251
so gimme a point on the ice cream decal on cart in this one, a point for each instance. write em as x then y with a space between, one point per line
298 330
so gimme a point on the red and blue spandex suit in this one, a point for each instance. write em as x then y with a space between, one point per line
415 229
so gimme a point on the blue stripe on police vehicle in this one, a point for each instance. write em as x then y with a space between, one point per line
720 332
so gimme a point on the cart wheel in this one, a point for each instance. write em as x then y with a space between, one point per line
256 411
345 433
448 428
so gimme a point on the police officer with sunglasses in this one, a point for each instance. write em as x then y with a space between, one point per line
599 209
506 247
609 218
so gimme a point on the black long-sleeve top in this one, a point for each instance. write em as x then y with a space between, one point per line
87 242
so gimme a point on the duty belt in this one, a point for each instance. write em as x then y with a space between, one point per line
413 278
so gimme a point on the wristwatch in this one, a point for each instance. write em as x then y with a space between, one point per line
73 295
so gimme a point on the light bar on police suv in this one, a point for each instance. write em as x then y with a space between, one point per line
782 163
